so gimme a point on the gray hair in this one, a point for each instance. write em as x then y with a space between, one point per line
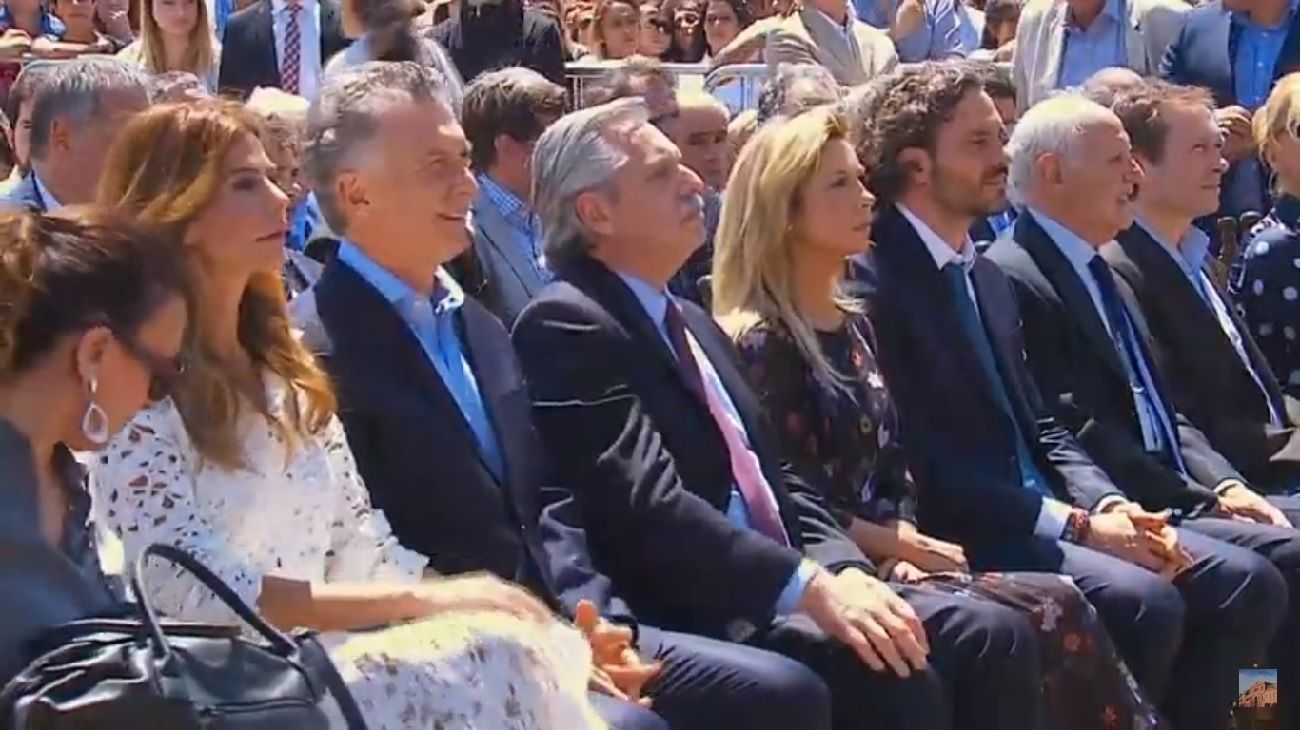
573 156
343 120
1108 83
795 88
1053 126
73 91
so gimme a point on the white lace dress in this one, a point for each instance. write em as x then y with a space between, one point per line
306 516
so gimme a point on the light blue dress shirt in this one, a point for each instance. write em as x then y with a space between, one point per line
1190 256
655 302
1153 419
433 322
1086 51
950 30
522 218
1257 56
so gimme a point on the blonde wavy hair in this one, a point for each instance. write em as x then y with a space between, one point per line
165 168
201 49
1279 116
755 248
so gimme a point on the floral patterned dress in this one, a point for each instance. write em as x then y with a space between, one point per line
300 511
844 438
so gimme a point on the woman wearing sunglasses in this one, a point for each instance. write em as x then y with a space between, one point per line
92 316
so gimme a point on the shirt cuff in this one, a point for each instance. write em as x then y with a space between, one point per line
790 596
1226 485
1106 502
1051 522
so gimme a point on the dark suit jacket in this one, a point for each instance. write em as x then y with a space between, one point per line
26 196
1202 55
649 467
1208 381
1077 368
418 457
512 36
961 448
248 52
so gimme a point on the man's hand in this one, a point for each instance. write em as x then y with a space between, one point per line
1144 543
1241 502
15 43
480 593
1235 123
617 670
870 618
930 554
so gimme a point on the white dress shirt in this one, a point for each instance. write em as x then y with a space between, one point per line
309 30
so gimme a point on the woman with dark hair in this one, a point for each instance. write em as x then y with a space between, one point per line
724 21
246 467
386 30
655 34
684 17
998 38
18 108
92 317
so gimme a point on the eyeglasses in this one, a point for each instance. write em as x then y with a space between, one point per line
163 371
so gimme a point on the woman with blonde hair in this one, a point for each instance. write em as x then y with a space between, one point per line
176 35
246 467
1265 281
794 210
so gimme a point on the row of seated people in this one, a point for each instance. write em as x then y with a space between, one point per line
783 539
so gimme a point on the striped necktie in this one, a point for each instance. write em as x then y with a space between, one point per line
292 60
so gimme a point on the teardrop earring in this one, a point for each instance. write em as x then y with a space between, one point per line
94 423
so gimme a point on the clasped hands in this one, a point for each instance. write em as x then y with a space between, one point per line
1131 533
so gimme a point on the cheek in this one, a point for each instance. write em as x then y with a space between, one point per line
123 392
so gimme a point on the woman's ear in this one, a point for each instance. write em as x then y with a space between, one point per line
89 353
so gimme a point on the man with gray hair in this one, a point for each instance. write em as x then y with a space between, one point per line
1073 169
436 415
78 110
663 447
795 88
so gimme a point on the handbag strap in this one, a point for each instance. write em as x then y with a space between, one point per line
314 656
224 593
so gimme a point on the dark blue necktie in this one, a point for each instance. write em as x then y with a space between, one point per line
975 333
1131 355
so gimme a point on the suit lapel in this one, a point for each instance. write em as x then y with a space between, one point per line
1054 47
1258 362
1059 272
331 38
492 372
1135 46
262 43
508 242
831 42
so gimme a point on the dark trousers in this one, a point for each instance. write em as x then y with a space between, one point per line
982 674
1280 547
707 684
1183 641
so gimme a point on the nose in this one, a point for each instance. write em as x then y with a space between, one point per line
691 182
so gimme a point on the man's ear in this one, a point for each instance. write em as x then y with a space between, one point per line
350 191
595 213
918 164
60 137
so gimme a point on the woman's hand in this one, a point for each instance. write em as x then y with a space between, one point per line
478 593
617 669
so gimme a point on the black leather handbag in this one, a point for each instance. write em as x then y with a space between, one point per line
138 672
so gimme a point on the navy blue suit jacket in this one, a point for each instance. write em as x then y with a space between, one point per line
1202 55
961 447
649 467
419 458
1077 368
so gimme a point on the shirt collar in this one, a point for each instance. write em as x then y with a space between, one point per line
1113 10
510 204
846 26
1076 249
1191 250
448 298
654 301
939 249
47 198
279 6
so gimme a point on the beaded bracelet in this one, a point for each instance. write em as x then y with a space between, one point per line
1077 527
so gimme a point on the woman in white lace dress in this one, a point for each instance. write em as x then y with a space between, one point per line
246 467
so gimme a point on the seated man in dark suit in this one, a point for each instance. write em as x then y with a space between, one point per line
436 413
77 109
997 473
1217 376
1085 343
689 510
1237 49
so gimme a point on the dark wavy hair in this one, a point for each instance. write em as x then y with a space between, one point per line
904 109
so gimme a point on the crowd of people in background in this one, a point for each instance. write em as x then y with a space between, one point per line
952 384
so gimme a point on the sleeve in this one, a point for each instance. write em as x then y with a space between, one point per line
362 545
142 486
1172 61
1265 289
604 444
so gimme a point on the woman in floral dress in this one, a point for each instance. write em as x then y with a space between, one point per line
809 356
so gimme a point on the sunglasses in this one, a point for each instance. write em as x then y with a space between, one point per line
163 371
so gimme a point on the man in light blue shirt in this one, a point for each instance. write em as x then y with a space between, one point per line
949 29
1092 43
